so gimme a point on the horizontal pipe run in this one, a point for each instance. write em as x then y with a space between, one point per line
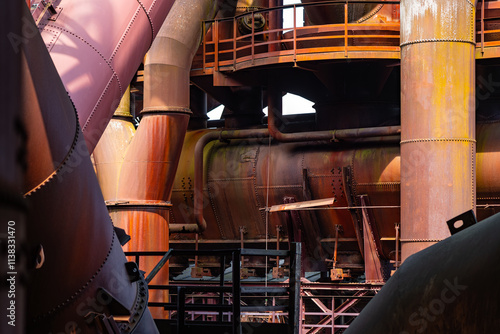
200 224
275 108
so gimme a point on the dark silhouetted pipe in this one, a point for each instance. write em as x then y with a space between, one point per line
441 289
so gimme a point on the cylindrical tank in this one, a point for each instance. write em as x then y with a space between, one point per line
236 189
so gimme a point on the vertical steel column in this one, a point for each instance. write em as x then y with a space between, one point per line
275 22
236 292
437 118
294 308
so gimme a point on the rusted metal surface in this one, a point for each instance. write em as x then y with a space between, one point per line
437 118
235 186
441 288
67 215
97 47
374 266
150 162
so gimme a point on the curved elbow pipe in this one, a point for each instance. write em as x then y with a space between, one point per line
200 224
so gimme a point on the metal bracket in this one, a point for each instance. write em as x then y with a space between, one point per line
133 271
461 222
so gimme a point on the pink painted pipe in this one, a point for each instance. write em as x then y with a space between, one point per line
97 46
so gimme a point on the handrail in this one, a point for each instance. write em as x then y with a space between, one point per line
227 52
231 53
308 4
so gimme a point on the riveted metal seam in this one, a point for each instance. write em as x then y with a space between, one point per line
438 40
93 48
211 197
149 18
80 291
65 160
256 187
473 179
421 240
420 140
372 14
130 24
100 100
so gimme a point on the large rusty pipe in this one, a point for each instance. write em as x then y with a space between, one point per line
71 241
437 118
200 224
97 47
275 113
441 289
151 160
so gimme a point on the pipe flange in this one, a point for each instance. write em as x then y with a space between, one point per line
438 40
421 240
132 203
420 140
165 110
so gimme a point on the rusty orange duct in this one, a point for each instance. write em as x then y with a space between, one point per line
150 163
438 144
97 47
78 267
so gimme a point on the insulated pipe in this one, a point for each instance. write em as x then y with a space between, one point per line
72 248
97 47
438 145
275 113
441 289
149 167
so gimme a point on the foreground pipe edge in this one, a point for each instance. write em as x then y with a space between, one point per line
441 289
78 274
